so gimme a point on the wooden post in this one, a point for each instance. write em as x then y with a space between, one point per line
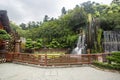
9 57
100 58
88 51
45 60
17 46
88 58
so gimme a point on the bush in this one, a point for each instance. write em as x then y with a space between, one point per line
107 66
113 62
4 35
114 58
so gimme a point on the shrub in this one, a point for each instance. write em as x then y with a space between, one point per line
107 66
4 35
114 62
115 58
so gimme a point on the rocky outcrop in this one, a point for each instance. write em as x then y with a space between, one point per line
4 21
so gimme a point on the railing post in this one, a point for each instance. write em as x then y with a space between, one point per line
45 60
100 58
9 57
39 59
89 58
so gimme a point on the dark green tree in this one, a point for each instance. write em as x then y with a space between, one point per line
63 11
46 18
88 6
116 2
23 26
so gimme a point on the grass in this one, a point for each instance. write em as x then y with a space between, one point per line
50 54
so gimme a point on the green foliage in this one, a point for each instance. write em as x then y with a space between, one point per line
29 44
78 19
110 22
115 57
116 2
97 48
107 66
110 18
88 6
4 35
99 39
54 44
45 18
62 32
38 44
16 28
71 40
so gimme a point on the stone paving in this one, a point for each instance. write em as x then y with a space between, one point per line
10 71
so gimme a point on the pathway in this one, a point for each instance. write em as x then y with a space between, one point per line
10 71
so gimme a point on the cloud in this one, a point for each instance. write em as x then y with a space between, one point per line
27 10
34 10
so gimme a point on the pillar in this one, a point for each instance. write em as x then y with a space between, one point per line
17 46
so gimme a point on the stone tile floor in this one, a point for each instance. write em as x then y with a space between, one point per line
10 71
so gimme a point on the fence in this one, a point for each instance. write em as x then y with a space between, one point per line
49 60
2 58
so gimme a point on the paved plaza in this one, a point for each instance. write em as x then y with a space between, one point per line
10 71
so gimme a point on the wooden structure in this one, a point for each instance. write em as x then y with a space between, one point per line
56 60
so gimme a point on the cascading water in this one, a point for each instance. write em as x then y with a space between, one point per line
111 41
80 45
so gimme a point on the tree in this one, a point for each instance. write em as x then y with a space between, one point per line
63 11
32 24
52 19
29 45
101 8
116 2
23 26
45 18
88 6
17 28
78 19
110 21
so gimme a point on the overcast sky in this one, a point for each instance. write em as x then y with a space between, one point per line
34 10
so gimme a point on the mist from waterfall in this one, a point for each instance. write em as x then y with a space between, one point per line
111 41
80 45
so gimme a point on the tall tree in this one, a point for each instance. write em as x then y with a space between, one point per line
45 18
23 26
116 2
88 6
63 11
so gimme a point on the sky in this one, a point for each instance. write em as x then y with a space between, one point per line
23 11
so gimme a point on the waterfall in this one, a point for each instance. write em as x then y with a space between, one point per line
80 45
111 41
